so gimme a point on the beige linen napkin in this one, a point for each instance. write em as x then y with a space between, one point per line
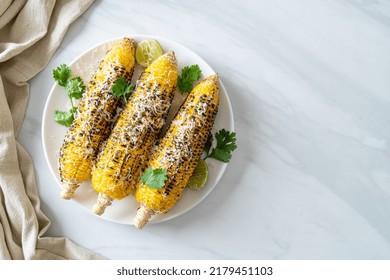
30 32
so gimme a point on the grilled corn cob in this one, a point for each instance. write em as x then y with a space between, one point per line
120 163
179 150
92 123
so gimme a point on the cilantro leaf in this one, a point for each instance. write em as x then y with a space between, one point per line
220 155
63 118
189 75
226 144
75 88
73 110
62 74
122 88
154 178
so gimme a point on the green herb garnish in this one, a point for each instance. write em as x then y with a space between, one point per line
189 75
226 144
154 178
122 88
64 118
62 74
74 88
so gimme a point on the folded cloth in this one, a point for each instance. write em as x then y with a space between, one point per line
30 32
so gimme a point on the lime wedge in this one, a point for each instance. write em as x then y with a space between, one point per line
199 177
148 51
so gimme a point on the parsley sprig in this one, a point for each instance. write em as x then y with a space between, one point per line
154 178
74 88
226 144
122 88
189 75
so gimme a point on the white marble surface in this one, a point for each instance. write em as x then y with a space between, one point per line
309 83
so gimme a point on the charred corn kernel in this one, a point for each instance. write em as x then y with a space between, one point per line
120 163
179 150
92 123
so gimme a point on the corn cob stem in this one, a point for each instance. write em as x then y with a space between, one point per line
102 203
143 216
68 190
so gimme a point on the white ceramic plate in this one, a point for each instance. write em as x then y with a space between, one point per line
123 211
